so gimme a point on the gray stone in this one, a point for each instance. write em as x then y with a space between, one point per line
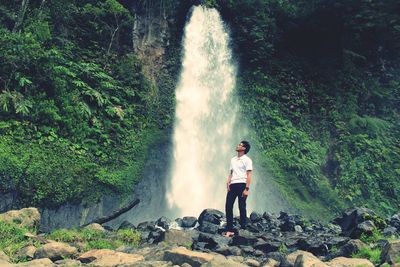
177 237
188 222
391 252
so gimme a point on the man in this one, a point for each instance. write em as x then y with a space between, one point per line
238 185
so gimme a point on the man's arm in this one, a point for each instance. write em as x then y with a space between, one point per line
228 181
248 181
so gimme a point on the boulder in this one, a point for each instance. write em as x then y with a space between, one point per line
353 246
164 223
270 263
4 263
107 257
37 263
95 227
252 262
348 262
350 219
244 238
389 231
221 261
212 216
303 258
391 252
182 255
153 264
27 217
208 227
3 256
267 246
68 263
178 238
255 217
188 222
395 221
27 252
55 251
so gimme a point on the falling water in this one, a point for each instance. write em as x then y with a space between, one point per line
205 115
207 128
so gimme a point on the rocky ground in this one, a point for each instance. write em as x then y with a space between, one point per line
269 240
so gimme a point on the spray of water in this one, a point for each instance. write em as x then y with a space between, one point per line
207 128
205 115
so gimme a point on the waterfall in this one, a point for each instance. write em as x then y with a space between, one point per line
205 115
207 125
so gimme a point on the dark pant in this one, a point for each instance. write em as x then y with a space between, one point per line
236 190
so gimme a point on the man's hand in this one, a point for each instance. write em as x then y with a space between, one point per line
245 193
227 186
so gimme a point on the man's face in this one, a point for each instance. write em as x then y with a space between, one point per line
240 147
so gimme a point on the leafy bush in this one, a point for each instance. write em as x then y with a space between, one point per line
373 255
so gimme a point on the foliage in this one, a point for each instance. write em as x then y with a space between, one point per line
95 239
373 255
13 239
320 84
76 121
372 238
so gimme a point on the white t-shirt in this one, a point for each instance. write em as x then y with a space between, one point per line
239 168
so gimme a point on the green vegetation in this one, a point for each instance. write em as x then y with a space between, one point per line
80 106
13 239
95 239
375 236
78 113
319 83
373 255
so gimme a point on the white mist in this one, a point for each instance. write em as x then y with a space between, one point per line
205 115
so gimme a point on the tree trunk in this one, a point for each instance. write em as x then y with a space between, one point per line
21 15
115 214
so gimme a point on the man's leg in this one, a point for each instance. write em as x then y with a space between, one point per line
242 207
230 199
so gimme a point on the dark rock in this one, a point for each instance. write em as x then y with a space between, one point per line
208 227
314 245
235 251
163 222
391 252
258 253
254 228
352 246
200 246
249 250
255 217
244 238
337 241
146 226
224 250
365 227
212 216
278 256
188 222
267 246
156 236
395 221
389 231
179 222
350 219
213 240
126 225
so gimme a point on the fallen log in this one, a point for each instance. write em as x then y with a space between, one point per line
115 214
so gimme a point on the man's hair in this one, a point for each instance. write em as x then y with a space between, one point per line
247 146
